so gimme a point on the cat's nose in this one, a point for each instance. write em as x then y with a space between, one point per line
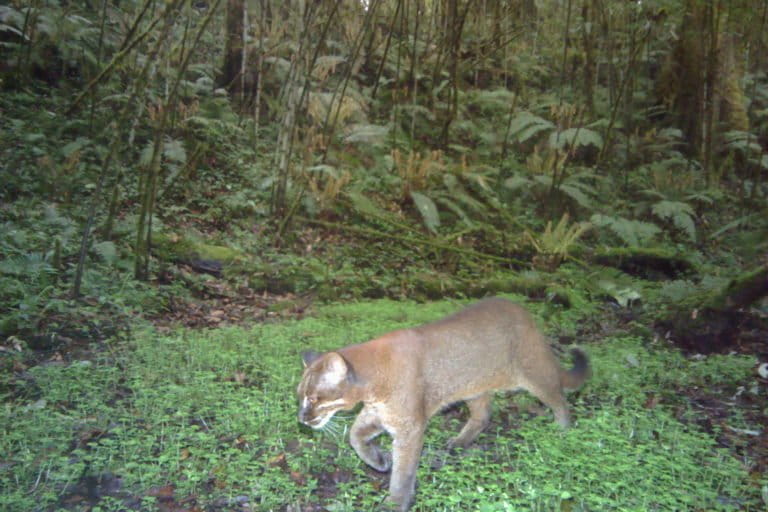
303 415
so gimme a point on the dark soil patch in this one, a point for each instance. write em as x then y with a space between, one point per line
718 411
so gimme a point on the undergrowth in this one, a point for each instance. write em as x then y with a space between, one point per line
208 417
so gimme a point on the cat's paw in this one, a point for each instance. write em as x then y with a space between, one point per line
381 461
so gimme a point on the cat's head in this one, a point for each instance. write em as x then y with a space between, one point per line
327 386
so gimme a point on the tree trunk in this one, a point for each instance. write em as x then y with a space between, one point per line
231 72
455 22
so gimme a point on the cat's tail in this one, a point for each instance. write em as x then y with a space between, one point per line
573 379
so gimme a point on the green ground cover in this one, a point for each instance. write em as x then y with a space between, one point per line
208 418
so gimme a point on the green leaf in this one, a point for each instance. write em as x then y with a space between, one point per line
324 169
671 133
623 296
491 101
427 209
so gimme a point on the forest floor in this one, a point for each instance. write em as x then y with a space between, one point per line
692 427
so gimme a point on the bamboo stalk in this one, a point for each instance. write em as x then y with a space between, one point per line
119 56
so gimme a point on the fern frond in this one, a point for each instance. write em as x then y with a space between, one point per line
526 125
677 291
741 221
577 192
746 142
173 150
365 205
517 181
680 213
490 101
575 137
456 209
458 192
346 110
559 239
366 133
107 251
326 65
634 233
29 266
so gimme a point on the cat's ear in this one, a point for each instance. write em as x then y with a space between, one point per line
336 369
309 356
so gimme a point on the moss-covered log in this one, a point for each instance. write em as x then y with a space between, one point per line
201 256
651 264
743 291
720 320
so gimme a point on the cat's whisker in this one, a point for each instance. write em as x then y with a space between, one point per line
334 429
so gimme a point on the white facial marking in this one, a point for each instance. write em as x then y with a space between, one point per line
320 422
329 409
333 403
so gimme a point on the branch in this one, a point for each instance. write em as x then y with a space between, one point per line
409 240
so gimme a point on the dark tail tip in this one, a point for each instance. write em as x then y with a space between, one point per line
581 370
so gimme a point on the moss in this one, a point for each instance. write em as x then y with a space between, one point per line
744 289
173 247
433 285
649 263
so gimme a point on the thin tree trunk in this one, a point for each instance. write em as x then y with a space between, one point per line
457 27
259 70
588 40
243 53
709 106
617 101
414 70
231 72
566 45
386 49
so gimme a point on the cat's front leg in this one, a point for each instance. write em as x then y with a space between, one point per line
406 452
366 428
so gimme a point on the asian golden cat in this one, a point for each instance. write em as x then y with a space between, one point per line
404 377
